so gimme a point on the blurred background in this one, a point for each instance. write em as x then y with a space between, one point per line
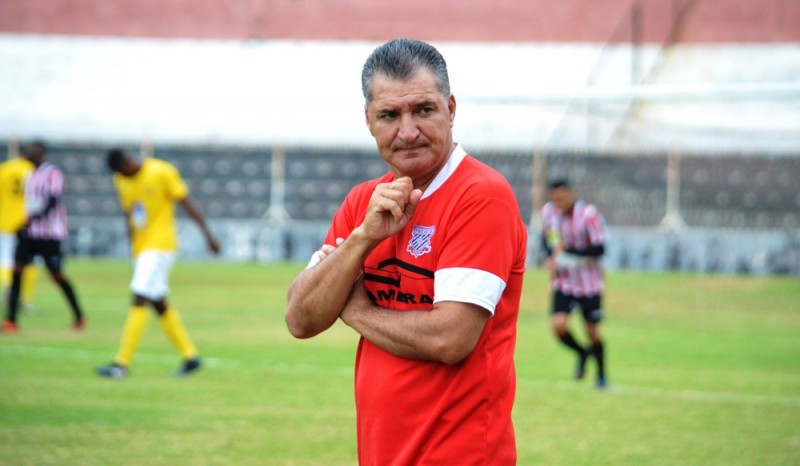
680 119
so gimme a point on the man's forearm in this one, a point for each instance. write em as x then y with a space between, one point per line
448 333
318 294
52 201
591 251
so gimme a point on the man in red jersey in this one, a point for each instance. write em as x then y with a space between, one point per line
573 237
426 264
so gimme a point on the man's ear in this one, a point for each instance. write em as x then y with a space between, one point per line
451 106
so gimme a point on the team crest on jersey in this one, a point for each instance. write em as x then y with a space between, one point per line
420 242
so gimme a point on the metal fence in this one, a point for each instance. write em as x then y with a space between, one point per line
731 213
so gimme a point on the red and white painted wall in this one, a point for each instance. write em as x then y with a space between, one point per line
607 74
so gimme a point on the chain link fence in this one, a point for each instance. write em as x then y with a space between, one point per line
729 213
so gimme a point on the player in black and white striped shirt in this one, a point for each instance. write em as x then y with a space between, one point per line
42 234
573 236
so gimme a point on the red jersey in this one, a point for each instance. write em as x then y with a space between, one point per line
46 182
465 242
578 231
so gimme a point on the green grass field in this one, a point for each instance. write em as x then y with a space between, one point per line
704 370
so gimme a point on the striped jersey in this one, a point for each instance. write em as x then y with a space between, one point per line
46 182
578 231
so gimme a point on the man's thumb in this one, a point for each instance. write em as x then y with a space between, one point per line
413 200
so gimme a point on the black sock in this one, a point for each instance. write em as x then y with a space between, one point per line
73 300
567 340
598 351
13 297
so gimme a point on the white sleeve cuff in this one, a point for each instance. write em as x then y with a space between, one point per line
316 258
467 285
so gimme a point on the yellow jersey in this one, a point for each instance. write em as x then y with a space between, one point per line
13 174
148 199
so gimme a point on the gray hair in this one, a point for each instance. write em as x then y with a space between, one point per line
400 59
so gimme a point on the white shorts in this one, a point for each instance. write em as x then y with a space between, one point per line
151 274
8 244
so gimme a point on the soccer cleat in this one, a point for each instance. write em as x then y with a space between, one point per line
79 325
113 371
602 383
580 368
9 327
188 367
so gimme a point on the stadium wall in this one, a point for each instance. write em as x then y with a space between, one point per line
733 214
608 92
531 21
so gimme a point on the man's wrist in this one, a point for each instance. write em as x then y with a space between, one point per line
362 241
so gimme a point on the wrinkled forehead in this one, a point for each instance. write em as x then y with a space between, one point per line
421 87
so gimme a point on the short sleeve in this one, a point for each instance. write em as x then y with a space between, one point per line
485 244
176 187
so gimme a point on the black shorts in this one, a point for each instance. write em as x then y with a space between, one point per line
590 305
47 249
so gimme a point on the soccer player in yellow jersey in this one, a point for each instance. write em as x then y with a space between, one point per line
148 191
13 174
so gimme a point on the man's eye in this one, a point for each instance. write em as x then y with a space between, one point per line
388 116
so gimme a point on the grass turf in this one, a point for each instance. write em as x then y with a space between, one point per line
703 370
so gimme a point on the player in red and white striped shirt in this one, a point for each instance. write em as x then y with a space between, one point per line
573 236
45 229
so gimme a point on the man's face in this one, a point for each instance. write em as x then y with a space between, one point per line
563 199
35 154
411 122
128 167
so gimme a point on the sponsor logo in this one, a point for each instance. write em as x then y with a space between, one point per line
386 296
390 272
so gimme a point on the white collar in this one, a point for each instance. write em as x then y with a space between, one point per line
456 156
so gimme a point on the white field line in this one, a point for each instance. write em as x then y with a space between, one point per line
281 367
102 357
662 393
700 395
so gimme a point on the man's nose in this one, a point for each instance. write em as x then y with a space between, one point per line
408 128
